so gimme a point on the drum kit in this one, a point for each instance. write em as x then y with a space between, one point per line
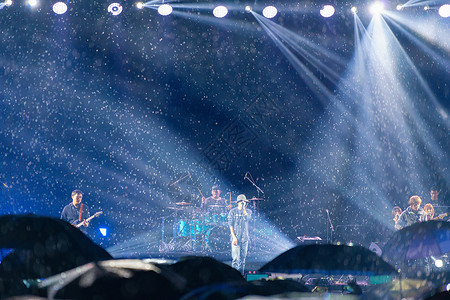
192 228
199 230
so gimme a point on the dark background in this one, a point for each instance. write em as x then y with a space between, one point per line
123 106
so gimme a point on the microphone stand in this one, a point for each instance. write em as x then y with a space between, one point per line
257 189
188 175
331 226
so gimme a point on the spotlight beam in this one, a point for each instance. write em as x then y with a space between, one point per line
289 38
426 28
315 85
303 43
436 56
360 125
423 84
415 3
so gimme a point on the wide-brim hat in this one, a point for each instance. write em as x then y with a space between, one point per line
241 198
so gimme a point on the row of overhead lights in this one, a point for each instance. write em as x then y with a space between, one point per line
221 11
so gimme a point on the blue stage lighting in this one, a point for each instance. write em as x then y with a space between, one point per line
269 12
32 3
377 8
444 11
165 10
115 9
59 8
103 231
327 11
220 11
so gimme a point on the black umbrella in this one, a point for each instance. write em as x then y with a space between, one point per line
329 259
44 246
201 271
420 240
115 279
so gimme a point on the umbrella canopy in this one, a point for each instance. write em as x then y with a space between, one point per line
44 246
200 271
420 240
329 259
253 289
115 279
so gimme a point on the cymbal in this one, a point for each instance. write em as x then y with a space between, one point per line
216 206
255 199
183 203
174 208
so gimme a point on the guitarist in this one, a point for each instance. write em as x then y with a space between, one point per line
412 214
429 210
76 212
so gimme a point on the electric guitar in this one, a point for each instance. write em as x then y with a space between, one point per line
88 219
440 217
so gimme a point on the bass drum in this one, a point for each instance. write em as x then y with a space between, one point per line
218 239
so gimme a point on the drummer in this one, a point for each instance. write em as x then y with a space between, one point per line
214 201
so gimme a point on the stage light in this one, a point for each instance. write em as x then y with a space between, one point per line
32 3
354 9
59 8
327 11
438 263
140 5
444 11
248 9
8 2
115 9
400 7
165 10
103 231
220 11
376 8
269 12
426 7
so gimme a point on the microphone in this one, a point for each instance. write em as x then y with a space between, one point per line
326 210
245 176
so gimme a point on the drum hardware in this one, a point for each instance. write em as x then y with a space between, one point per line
184 203
175 182
174 208
216 206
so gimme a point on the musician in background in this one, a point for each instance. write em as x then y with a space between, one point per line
214 199
396 212
413 214
434 199
76 212
429 210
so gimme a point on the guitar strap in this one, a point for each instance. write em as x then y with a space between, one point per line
81 212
